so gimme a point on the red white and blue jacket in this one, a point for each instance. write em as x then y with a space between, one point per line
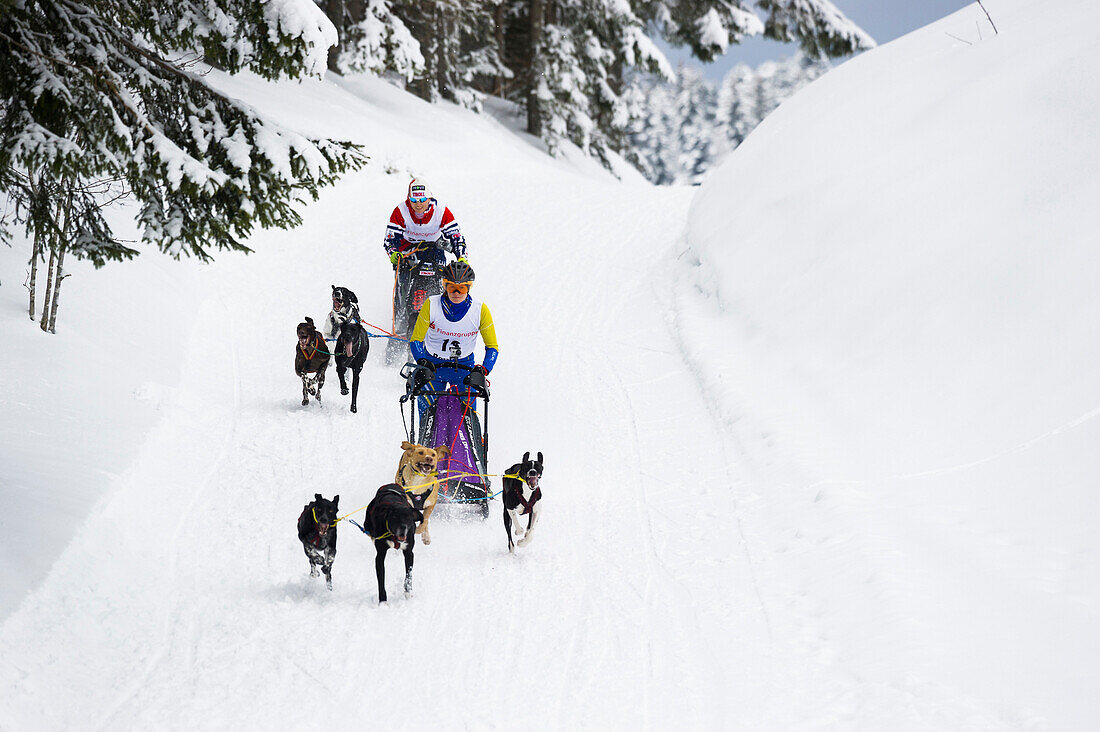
406 231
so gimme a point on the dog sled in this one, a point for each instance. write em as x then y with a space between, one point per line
450 418
414 282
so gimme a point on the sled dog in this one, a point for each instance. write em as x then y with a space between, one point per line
310 357
416 474
352 345
391 522
317 532
521 494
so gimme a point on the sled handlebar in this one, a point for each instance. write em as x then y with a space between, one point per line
420 376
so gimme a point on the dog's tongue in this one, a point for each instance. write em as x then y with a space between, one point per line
347 350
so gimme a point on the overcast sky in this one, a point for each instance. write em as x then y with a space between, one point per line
885 20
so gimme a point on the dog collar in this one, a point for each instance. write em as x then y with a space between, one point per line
309 356
422 475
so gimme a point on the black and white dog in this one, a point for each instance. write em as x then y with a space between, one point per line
317 532
521 496
391 521
350 343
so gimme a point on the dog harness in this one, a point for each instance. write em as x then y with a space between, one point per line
397 491
317 341
417 499
316 540
527 505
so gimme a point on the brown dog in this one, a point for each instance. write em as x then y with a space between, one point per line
416 474
310 357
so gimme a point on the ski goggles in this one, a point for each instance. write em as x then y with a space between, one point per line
418 199
460 287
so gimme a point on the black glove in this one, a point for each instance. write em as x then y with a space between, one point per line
476 381
421 376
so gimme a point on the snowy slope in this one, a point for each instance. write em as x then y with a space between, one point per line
911 314
784 490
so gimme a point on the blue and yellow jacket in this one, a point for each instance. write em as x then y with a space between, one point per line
454 313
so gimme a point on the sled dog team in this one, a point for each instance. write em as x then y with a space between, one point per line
396 509
418 230
351 344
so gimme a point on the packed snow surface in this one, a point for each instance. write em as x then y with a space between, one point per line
819 436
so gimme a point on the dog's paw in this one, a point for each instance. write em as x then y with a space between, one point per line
328 581
344 391
427 539
305 402
313 570
524 541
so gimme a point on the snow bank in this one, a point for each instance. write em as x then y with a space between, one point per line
896 279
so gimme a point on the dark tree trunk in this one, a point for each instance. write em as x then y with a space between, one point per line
445 23
355 12
58 243
421 22
498 27
45 322
534 116
35 254
58 277
334 12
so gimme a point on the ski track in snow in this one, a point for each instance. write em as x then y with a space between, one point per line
689 569
641 566
215 622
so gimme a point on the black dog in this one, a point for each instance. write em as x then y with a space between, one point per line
310 357
521 496
352 346
391 520
317 532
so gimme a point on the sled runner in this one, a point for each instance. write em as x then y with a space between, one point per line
450 419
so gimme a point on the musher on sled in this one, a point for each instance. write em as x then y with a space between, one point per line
419 235
447 330
443 341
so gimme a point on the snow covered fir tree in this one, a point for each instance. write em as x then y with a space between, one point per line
105 101
572 66
682 128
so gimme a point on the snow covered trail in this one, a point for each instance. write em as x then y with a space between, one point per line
185 602
690 569
652 595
